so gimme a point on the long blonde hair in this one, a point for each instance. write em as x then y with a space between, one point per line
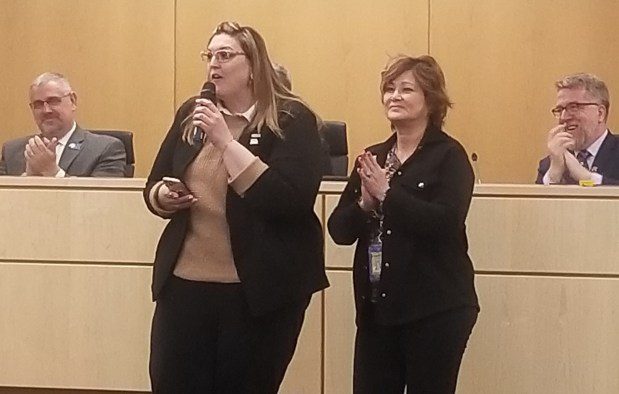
268 89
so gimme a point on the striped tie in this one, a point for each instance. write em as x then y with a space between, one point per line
582 157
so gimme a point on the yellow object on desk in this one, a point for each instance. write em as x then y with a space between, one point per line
586 183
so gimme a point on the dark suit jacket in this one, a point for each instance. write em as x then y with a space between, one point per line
86 154
426 268
276 238
606 162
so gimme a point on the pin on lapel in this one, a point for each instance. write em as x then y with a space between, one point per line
254 139
74 146
594 169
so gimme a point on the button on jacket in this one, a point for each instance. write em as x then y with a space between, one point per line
425 264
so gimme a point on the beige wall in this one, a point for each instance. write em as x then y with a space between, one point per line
122 70
501 59
132 62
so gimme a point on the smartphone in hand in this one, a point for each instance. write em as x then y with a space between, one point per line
176 185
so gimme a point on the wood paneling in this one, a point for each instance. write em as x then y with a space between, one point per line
133 62
339 333
543 336
117 54
501 59
537 234
338 256
77 223
74 326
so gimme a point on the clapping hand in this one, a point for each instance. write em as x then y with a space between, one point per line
40 154
373 177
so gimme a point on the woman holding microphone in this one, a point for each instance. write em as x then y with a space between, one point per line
243 252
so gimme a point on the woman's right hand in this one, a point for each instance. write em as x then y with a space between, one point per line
367 202
171 201
374 180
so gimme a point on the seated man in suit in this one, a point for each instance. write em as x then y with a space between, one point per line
580 147
62 148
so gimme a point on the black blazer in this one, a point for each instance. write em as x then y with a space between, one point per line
276 238
606 162
426 268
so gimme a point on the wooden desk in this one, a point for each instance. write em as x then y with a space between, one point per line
75 309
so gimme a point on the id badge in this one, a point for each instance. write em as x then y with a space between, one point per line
375 253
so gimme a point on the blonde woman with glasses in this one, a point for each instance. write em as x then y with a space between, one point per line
243 252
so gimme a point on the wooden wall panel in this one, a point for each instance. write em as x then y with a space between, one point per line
501 59
532 234
337 256
547 335
78 224
117 54
75 321
339 333
74 326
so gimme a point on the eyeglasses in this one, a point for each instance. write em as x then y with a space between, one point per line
570 108
222 56
53 101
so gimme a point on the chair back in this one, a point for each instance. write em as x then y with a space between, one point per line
334 133
126 137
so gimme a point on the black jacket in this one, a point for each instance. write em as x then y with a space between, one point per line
276 238
426 268
606 163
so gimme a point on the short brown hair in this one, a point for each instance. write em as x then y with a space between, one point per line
430 78
592 85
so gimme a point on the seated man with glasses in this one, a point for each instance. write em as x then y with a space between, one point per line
580 147
62 148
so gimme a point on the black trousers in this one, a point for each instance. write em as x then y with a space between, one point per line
424 356
204 340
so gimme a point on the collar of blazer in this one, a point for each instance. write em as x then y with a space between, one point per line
608 150
73 148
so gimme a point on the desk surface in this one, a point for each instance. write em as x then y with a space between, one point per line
327 187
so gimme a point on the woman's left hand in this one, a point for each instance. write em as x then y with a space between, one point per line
373 176
207 117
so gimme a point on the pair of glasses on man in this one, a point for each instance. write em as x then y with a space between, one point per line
570 108
222 56
52 102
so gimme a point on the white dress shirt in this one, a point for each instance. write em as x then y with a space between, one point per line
62 144
593 150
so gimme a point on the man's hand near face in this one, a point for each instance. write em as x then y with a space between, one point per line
40 156
559 141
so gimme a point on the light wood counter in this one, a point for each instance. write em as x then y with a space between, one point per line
75 309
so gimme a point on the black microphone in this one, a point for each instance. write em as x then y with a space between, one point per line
208 92
474 158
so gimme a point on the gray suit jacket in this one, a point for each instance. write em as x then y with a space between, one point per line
86 154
